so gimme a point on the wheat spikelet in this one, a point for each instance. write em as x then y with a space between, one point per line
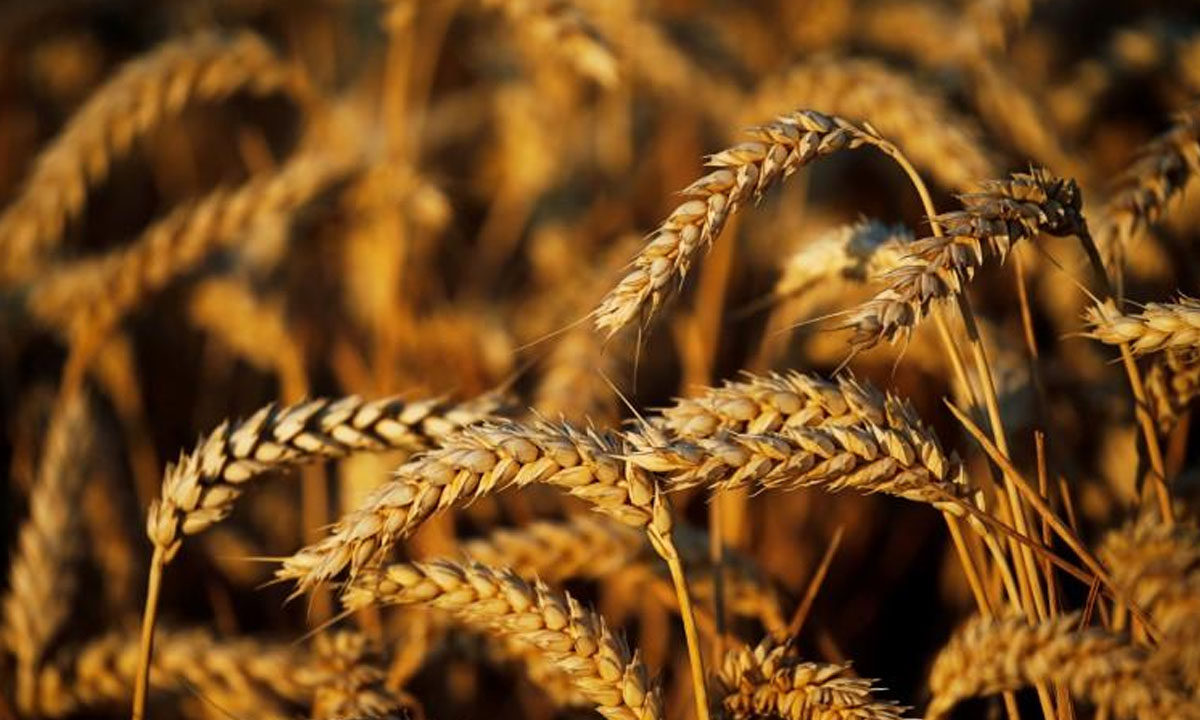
145 92
481 460
914 117
990 656
581 547
1159 326
769 403
43 572
355 683
1159 565
767 681
1000 214
201 487
497 601
862 252
743 173
90 295
242 675
1159 173
1172 383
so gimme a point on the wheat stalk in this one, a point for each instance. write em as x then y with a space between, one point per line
137 99
1000 214
990 656
743 173
1159 326
43 575
767 681
495 601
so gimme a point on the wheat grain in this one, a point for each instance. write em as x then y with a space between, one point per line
581 547
498 601
1000 214
144 93
767 681
990 656
1159 326
43 574
743 173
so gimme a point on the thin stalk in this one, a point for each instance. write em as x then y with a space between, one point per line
699 687
141 681
814 586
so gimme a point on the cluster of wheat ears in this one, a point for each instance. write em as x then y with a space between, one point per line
578 425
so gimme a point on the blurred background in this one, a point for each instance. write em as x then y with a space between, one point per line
440 192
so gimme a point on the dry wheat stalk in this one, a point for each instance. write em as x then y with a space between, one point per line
145 92
580 547
990 656
743 173
1159 326
354 685
768 681
250 675
200 488
1159 173
862 252
498 601
999 215
90 295
480 460
43 573
1172 384
915 117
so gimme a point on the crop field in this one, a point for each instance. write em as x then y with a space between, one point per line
643 359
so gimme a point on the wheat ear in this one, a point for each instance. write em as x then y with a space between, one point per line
862 252
354 684
580 547
201 488
1172 384
940 141
144 93
496 601
742 173
90 295
768 681
1000 214
1159 326
42 575
563 29
990 656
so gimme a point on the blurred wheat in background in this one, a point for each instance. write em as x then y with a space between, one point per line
499 359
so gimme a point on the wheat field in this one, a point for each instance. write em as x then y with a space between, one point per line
689 359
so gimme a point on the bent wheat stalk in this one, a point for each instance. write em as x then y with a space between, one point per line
144 93
497 601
